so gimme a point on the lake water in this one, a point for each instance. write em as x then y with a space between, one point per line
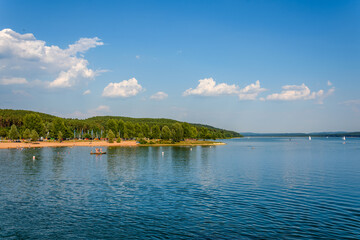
250 188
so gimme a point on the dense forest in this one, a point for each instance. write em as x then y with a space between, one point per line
22 124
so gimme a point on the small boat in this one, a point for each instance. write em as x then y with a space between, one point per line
98 153
344 138
309 138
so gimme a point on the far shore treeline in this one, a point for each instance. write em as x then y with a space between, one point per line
22 124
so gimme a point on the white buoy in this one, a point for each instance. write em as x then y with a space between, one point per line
162 153
33 158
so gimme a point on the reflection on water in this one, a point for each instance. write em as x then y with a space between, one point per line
32 167
250 188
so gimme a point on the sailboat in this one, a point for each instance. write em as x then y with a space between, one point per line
309 138
344 138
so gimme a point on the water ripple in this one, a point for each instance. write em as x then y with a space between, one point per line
248 189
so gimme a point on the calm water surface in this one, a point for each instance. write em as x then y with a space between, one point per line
250 188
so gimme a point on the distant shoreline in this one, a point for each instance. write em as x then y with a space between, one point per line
128 143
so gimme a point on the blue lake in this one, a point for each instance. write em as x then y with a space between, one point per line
250 188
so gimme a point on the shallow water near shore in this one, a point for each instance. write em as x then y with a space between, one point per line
249 188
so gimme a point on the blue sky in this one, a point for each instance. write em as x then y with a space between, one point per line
260 66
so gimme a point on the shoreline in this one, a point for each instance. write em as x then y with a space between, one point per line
129 143
7 145
181 144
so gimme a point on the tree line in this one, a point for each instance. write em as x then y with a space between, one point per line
30 125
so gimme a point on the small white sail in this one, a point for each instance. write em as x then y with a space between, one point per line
309 138
344 138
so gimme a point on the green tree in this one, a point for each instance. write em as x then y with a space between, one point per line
129 129
49 128
203 133
34 135
178 132
121 125
14 134
187 129
210 135
155 131
27 134
194 132
111 136
165 133
59 126
68 133
60 136
104 134
112 125
3 132
33 121
140 136
118 140
138 130
145 130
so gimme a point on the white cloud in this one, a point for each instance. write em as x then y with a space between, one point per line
137 56
250 92
329 83
12 81
126 88
295 92
159 96
328 93
300 92
100 110
208 87
87 92
83 44
24 54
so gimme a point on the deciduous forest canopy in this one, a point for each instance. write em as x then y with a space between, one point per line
16 124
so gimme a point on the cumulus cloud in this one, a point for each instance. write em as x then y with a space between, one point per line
12 81
208 87
295 92
126 88
329 83
300 92
250 92
24 54
159 96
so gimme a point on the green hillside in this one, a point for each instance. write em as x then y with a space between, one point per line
50 126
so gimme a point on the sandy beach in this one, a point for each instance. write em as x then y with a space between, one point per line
130 143
5 145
